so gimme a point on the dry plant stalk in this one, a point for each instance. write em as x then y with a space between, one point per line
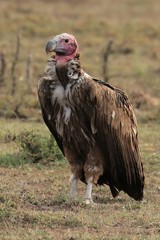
106 55
2 68
15 61
16 109
28 72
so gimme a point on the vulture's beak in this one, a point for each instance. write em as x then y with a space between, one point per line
51 46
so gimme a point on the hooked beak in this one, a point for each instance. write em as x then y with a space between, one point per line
51 46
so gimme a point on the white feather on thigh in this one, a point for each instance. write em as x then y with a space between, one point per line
88 194
74 184
93 170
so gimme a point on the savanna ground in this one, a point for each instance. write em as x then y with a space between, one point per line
34 177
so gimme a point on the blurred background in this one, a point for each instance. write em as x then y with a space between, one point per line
129 31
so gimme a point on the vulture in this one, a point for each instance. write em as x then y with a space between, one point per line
92 122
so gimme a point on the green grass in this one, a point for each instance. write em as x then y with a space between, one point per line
28 146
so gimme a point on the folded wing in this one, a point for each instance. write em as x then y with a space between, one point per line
114 125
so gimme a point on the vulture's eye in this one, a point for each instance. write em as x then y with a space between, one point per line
66 40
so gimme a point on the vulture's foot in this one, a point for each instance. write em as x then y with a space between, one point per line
89 201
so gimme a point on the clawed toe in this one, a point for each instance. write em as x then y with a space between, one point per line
89 201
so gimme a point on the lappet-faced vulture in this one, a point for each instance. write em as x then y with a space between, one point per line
93 123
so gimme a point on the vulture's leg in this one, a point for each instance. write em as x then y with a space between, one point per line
74 183
93 169
76 170
88 194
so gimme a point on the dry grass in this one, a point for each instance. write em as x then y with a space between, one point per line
34 201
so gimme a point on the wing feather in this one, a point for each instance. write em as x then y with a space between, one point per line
45 99
115 128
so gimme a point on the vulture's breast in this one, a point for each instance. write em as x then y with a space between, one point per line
70 121
61 105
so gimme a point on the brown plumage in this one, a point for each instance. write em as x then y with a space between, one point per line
93 123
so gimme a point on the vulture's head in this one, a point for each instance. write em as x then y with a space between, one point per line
64 46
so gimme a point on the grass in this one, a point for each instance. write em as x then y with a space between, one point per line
36 202
34 197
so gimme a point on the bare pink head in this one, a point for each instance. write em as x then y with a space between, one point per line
64 45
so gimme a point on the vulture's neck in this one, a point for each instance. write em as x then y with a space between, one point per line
62 67
61 70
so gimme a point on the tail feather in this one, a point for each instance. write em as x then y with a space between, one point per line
114 191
